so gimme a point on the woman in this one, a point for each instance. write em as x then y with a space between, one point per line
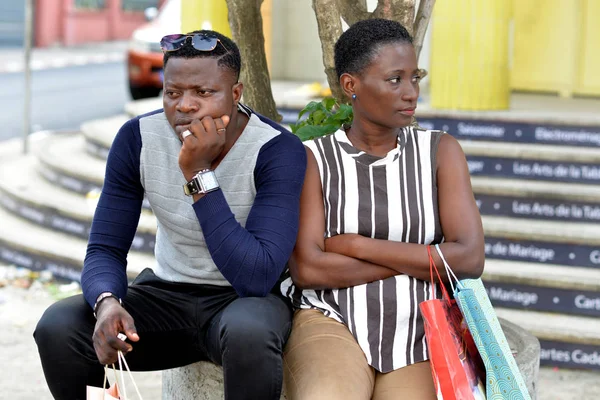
375 195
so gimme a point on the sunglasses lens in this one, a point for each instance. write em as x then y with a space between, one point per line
172 42
204 43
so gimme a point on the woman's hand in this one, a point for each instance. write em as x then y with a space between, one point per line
319 263
345 244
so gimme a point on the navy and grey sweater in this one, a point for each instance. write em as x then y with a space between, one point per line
240 235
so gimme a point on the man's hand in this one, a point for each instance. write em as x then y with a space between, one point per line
203 146
344 244
112 320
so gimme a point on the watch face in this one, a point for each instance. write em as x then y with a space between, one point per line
208 181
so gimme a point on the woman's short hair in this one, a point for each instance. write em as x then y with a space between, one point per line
357 46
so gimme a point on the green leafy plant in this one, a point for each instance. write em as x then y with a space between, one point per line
322 118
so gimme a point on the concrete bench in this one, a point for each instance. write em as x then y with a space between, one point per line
199 381
527 348
204 380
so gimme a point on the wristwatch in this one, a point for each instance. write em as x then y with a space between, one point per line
205 181
104 296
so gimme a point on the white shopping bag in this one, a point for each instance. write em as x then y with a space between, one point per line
114 392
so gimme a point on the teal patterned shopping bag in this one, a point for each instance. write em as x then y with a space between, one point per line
503 378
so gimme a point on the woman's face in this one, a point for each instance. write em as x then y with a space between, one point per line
388 88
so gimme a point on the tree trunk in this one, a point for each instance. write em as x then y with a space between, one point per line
330 29
245 21
421 23
402 11
353 11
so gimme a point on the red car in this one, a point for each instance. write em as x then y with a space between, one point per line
144 57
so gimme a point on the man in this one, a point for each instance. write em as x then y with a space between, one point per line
224 184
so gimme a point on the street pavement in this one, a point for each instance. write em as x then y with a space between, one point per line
12 58
68 86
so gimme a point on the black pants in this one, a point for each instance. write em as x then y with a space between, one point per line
178 324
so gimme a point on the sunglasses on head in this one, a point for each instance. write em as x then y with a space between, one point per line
200 41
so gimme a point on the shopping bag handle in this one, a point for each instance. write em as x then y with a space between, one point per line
433 267
449 271
121 357
121 383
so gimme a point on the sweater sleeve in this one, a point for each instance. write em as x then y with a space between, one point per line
116 217
253 258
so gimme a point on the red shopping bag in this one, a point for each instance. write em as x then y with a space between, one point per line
456 366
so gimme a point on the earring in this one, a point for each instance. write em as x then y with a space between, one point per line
353 96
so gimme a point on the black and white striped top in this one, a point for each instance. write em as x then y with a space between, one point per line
393 198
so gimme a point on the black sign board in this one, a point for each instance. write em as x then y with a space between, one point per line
519 132
571 254
50 218
569 355
36 262
513 168
566 301
538 208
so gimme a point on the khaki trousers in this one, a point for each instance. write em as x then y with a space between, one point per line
323 361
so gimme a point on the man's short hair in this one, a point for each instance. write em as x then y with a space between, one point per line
357 46
227 52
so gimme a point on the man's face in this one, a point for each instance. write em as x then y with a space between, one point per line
195 88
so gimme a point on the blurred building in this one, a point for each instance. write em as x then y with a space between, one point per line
72 22
12 24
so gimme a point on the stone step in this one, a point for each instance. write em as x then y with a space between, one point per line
566 340
559 242
25 193
540 152
545 162
544 231
542 275
495 196
553 288
529 108
536 189
557 327
29 245
515 283
102 132
99 134
65 163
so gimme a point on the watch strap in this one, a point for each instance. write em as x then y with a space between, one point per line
195 186
192 187
104 296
